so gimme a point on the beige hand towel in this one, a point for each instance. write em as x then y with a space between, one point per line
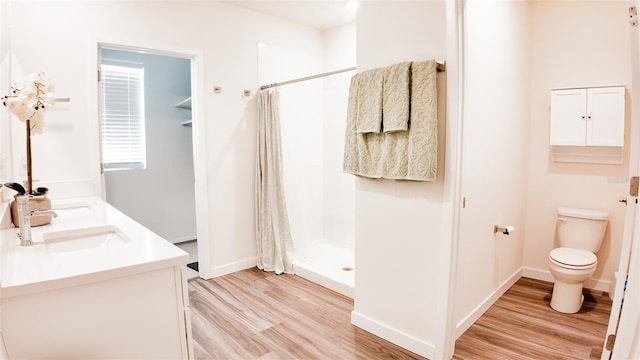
422 156
350 155
369 113
401 155
396 94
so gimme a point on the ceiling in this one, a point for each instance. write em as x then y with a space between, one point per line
316 14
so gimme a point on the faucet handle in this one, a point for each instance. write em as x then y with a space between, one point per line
44 212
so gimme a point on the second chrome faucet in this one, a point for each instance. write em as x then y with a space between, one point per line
24 218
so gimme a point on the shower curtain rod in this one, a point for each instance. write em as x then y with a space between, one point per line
439 66
307 78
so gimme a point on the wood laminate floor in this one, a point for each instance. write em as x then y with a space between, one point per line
252 314
522 325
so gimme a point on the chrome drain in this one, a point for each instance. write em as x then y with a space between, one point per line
347 268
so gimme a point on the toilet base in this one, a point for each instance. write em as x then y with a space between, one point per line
567 298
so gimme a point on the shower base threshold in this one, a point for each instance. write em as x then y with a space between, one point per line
343 286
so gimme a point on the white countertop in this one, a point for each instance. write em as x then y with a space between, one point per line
42 267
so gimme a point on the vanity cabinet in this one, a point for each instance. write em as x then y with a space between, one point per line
141 316
588 116
81 292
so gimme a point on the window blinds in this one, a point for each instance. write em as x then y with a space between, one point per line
122 125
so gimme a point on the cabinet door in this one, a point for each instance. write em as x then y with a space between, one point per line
567 123
605 116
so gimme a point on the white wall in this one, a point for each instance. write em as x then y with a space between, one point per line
5 118
495 154
5 148
5 50
226 35
574 45
398 224
169 150
339 188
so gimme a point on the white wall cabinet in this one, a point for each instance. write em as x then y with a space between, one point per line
588 116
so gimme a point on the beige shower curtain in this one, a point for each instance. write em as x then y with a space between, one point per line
274 244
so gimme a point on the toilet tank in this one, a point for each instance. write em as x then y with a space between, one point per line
581 229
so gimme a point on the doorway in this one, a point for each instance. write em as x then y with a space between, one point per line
157 189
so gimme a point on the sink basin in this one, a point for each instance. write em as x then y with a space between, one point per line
70 206
84 238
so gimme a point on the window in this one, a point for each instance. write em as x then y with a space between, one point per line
122 125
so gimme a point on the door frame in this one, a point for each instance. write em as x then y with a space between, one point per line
448 253
198 130
629 246
620 322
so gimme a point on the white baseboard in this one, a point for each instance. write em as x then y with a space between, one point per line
231 268
472 317
395 336
537 274
545 275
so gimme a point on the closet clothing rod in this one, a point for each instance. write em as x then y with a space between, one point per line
439 67
306 78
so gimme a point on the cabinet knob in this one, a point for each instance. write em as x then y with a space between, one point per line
583 117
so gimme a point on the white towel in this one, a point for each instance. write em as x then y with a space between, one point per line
396 94
369 100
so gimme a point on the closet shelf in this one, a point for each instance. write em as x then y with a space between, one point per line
184 104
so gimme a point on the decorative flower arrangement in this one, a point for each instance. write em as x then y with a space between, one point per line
28 101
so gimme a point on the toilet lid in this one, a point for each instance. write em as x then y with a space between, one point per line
575 257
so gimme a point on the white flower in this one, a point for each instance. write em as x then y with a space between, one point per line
29 99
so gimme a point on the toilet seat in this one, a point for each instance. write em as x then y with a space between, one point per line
572 258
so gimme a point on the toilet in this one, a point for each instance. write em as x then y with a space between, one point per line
580 234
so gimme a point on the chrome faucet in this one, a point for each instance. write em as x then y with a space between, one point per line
24 218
